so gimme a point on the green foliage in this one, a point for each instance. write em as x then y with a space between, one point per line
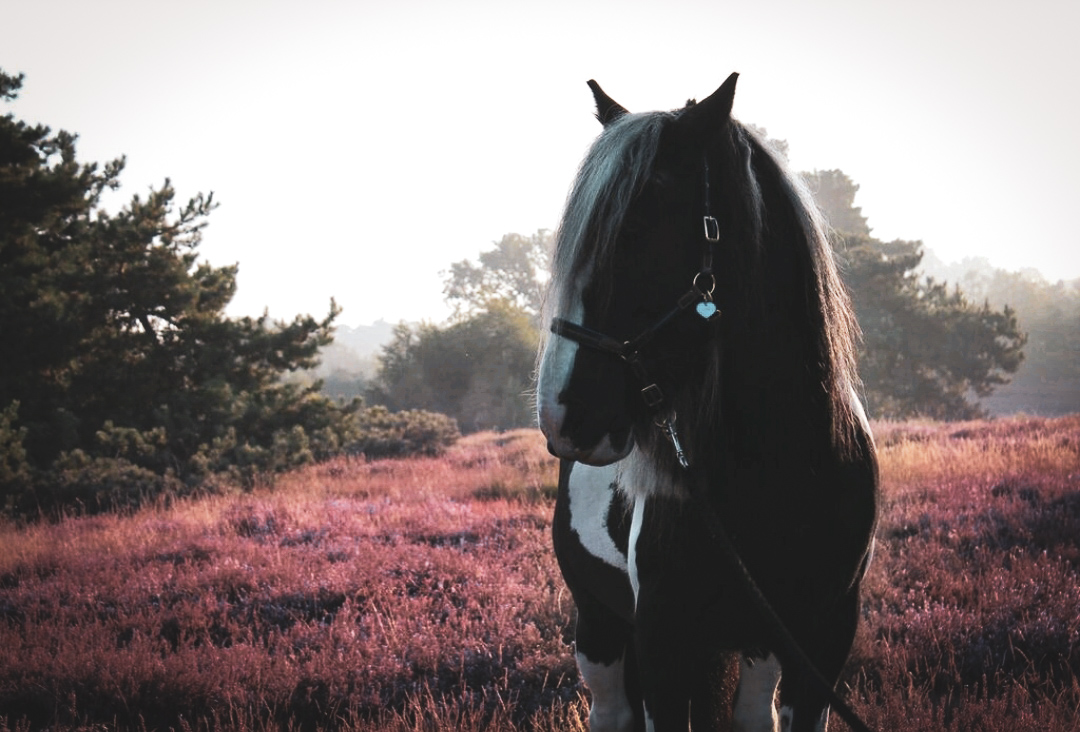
382 433
1048 382
84 482
512 274
122 377
15 471
926 349
343 386
477 371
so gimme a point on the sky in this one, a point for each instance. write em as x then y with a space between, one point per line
358 148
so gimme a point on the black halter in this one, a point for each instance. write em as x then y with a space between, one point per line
699 295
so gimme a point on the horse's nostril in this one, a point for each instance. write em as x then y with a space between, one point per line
551 448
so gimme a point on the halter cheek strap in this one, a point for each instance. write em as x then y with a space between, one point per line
699 295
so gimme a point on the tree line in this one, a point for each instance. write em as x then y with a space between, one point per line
122 380
1048 382
927 350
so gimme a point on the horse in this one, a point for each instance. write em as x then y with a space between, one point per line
699 378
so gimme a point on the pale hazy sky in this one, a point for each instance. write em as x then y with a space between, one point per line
359 148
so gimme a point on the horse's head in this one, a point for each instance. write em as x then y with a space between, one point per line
635 257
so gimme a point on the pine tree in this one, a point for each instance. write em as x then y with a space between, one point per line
122 375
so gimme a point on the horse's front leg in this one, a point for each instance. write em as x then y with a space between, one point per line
666 701
665 673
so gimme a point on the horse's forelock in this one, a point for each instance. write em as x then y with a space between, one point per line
611 175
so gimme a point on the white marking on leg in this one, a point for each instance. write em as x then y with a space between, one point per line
823 721
755 700
591 493
610 710
631 556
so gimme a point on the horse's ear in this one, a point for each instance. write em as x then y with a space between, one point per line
607 109
708 115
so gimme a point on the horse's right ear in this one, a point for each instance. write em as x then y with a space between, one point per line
607 109
700 121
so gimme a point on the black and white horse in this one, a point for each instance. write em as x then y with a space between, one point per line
701 370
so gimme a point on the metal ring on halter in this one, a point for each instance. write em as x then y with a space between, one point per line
659 421
705 291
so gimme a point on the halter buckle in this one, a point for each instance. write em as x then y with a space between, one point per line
712 229
653 396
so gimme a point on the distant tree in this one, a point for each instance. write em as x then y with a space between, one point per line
406 369
926 349
1048 382
513 273
121 376
477 370
835 193
778 146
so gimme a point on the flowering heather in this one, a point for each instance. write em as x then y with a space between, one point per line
972 605
422 594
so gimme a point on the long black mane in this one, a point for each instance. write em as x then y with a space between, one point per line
788 325
794 317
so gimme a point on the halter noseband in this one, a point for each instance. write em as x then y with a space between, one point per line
699 294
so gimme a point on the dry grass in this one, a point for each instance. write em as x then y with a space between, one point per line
972 604
918 455
423 595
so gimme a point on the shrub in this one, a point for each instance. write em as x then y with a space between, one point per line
94 484
14 469
382 433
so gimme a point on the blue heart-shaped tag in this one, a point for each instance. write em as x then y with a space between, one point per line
706 309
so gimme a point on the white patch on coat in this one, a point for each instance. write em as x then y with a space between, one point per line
643 479
553 375
860 412
610 710
556 364
631 550
755 700
591 493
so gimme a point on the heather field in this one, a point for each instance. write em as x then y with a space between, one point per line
422 594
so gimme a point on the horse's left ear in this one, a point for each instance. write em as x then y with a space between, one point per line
607 109
708 115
